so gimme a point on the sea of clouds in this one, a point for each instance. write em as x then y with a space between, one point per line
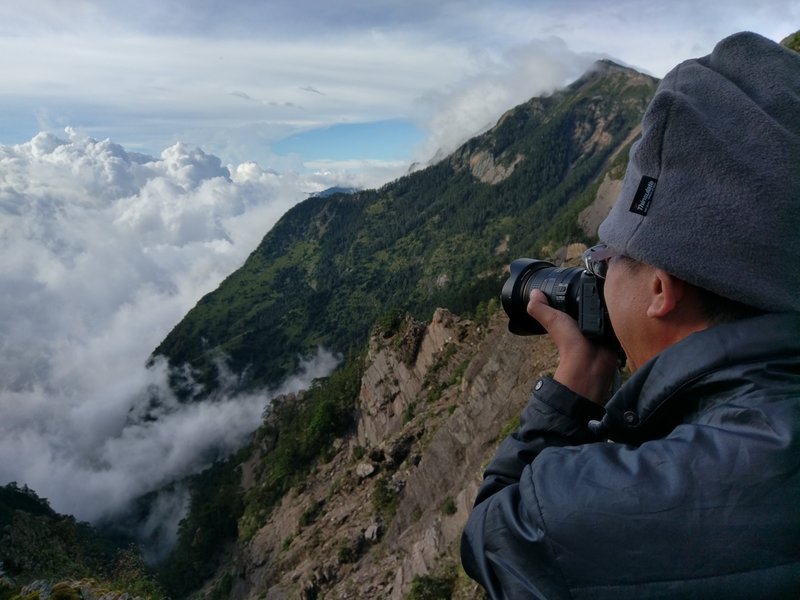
103 252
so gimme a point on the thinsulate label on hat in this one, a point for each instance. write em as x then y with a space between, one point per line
644 195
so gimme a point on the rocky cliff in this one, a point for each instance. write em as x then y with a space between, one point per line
383 517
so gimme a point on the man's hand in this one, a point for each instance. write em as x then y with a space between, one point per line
584 367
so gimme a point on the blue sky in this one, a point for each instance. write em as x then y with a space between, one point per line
360 140
310 85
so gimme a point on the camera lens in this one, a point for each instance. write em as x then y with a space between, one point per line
561 285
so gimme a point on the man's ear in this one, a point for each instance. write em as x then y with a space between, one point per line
666 292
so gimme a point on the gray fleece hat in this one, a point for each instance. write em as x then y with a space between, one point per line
712 190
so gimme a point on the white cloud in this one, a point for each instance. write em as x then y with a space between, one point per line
461 110
152 91
104 251
236 77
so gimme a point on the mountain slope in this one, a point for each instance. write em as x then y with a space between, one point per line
331 269
44 553
382 515
438 237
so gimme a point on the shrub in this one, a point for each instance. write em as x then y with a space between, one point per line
350 550
64 591
430 587
385 498
312 513
449 507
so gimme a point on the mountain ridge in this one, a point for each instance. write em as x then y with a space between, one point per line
332 265
298 530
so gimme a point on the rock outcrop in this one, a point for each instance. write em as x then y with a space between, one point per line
485 168
390 505
590 218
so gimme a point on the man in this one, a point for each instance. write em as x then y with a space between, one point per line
686 483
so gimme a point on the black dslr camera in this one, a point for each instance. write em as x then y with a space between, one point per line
573 290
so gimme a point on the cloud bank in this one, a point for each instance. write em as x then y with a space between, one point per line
104 251
238 77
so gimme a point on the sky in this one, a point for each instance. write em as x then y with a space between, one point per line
290 83
147 147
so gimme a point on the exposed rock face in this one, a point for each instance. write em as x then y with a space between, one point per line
590 218
484 167
390 386
391 503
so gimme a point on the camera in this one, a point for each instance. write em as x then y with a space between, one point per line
572 290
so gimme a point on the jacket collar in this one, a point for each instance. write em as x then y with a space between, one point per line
653 401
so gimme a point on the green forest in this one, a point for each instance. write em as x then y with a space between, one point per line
438 237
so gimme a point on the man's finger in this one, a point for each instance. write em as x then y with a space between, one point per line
539 308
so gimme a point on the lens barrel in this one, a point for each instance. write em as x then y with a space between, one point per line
561 285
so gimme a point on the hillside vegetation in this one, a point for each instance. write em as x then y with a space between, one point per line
792 41
439 237
334 268
67 558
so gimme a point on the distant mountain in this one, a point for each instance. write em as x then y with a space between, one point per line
438 237
334 190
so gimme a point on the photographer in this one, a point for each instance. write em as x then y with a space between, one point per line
686 482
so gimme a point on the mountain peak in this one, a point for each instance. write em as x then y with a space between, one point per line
606 65
352 258
604 69
326 193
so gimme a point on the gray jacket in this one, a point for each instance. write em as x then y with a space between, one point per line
698 498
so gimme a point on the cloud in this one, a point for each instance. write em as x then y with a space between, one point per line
151 91
243 96
150 73
104 251
475 103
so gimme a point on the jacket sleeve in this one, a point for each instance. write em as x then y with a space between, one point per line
554 417
705 510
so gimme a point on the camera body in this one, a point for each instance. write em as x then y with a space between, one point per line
572 290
